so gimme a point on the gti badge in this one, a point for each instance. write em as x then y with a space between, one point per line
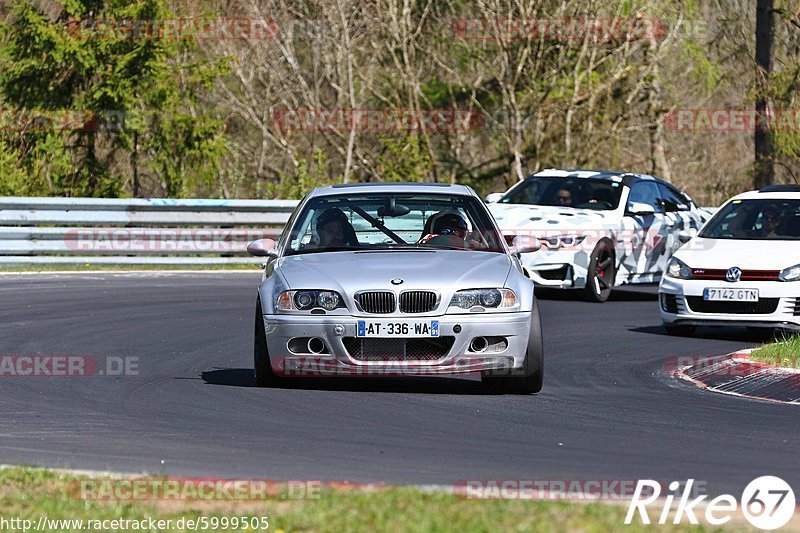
733 274
397 281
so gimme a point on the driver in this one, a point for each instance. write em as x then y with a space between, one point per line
770 220
564 197
449 229
451 224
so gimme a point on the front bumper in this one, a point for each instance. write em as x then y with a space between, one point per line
560 268
336 359
680 302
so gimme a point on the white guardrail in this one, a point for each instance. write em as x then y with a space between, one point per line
152 231
135 231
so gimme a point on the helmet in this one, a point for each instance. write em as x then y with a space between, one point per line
450 224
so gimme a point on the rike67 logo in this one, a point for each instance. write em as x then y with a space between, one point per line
767 503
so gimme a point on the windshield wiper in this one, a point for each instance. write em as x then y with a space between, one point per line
447 247
311 250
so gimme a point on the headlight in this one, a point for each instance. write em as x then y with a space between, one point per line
562 241
571 240
790 274
678 269
478 300
306 300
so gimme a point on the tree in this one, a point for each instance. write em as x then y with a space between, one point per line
75 64
764 152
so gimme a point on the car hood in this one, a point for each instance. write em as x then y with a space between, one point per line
543 218
349 272
745 254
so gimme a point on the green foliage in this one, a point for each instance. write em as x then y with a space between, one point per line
64 66
306 177
783 91
12 180
405 159
707 73
196 122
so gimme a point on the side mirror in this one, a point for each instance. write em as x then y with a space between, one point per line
640 209
523 244
493 198
262 248
686 235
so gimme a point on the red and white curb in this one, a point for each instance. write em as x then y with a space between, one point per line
737 375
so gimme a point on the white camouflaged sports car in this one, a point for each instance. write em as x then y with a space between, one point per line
599 228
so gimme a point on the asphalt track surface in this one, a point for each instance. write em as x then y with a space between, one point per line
608 410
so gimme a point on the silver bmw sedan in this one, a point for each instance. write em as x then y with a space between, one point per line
397 279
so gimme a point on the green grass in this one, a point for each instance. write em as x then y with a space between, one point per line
28 493
785 353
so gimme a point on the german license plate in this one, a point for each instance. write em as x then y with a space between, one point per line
730 295
397 328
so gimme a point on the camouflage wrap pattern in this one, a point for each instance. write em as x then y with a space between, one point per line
642 244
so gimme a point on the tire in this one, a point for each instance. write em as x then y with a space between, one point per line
530 382
601 272
265 377
680 330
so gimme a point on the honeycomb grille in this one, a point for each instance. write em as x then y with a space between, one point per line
764 306
411 349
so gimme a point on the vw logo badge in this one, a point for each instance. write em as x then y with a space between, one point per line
397 281
733 274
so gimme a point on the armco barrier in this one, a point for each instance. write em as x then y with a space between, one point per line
135 231
152 231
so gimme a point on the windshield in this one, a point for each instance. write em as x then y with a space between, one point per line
581 193
756 220
389 221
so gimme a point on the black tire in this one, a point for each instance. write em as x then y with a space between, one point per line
601 272
265 377
680 330
532 378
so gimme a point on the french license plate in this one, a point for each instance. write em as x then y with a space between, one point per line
730 295
397 328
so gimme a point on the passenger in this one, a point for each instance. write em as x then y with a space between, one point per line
335 230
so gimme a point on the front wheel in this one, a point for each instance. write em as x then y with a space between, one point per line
530 382
265 377
600 272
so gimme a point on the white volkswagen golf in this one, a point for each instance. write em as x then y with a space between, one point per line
742 269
